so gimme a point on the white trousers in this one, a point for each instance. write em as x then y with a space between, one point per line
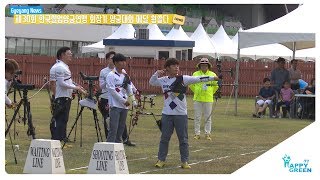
206 108
261 102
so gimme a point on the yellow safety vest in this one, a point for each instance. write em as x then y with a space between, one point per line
204 91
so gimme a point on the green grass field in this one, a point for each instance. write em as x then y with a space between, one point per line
236 139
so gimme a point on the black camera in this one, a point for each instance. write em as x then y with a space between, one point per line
24 86
88 78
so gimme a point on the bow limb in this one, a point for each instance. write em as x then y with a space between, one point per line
218 92
49 94
134 117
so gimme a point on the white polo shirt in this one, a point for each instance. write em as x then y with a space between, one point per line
103 82
117 95
64 84
53 71
175 103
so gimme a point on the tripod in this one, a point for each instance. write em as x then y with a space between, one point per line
14 153
15 101
26 114
76 127
95 117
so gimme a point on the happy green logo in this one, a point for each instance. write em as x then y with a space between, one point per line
296 167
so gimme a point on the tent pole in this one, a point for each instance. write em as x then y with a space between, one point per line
237 82
294 50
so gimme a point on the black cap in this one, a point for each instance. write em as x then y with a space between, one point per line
118 57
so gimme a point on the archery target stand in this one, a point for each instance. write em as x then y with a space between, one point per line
44 157
108 158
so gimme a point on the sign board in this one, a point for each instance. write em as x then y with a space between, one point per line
44 157
177 19
98 19
108 158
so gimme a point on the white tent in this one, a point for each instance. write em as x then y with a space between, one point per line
95 47
270 51
307 54
155 33
273 51
223 43
292 30
125 31
293 27
177 34
203 43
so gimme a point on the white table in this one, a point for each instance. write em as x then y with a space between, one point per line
305 95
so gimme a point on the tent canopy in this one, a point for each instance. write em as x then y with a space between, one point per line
125 31
223 43
177 34
155 33
293 27
203 43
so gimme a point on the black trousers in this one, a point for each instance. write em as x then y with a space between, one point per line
125 135
287 103
104 109
59 120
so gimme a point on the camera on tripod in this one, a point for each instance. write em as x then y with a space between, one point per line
90 79
17 84
90 103
23 86
27 116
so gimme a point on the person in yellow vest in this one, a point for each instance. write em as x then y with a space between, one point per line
203 98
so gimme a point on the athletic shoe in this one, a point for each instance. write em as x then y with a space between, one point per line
185 165
196 137
67 146
159 164
129 143
67 140
259 115
208 137
90 103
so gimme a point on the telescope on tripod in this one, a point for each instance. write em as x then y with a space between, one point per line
90 103
27 116
90 79
14 90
